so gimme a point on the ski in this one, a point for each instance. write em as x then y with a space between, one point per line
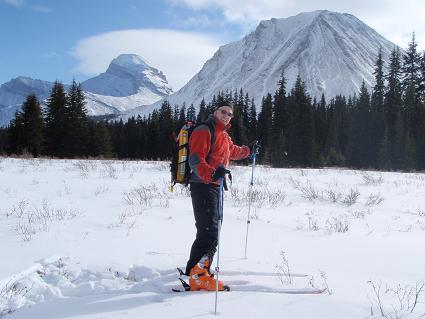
226 288
288 291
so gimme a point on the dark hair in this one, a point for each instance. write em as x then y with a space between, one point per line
224 102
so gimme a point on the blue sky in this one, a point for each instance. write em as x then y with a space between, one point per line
60 39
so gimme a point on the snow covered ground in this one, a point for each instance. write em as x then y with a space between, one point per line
101 239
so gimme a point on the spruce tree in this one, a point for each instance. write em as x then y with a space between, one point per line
300 127
264 125
376 116
202 114
16 135
56 121
100 140
279 125
33 126
191 113
3 141
252 122
77 135
359 145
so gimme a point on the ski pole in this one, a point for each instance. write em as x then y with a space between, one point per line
219 221
251 185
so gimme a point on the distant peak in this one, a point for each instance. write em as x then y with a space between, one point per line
129 60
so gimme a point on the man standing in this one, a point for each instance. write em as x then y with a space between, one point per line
209 158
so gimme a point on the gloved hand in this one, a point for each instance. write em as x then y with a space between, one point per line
220 172
254 147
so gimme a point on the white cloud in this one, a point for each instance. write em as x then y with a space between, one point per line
396 20
23 4
16 3
180 55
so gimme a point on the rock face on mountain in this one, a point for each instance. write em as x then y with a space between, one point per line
332 52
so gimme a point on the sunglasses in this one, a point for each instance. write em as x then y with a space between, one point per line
224 112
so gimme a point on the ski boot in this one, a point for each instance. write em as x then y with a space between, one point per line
201 278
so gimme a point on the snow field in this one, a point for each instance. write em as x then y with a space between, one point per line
101 239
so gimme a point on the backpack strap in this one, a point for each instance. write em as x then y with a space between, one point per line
212 132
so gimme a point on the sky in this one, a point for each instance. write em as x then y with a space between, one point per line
64 40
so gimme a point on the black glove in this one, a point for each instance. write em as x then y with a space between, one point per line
220 172
254 147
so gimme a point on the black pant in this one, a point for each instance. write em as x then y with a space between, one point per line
205 199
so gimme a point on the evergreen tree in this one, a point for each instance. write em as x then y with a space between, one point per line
182 116
33 126
191 113
252 122
77 135
376 116
359 146
414 113
320 128
16 135
265 122
100 140
56 121
412 68
279 125
300 128
202 114
337 135
166 129
3 141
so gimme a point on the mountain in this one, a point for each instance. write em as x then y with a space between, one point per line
14 93
128 74
127 83
332 52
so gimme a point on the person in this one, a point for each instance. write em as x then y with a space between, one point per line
208 164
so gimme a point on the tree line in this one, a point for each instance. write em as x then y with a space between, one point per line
381 129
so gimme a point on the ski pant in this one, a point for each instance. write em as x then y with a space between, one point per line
205 199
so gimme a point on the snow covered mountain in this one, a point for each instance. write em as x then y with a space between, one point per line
128 83
128 74
14 92
332 52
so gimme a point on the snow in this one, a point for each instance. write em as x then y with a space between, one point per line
101 239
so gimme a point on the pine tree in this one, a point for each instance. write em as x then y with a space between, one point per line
265 122
16 135
191 113
337 135
376 116
100 140
414 113
3 141
252 122
359 145
77 135
300 127
321 127
33 126
279 125
166 129
202 114
393 107
56 121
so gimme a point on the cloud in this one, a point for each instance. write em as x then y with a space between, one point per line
180 55
396 20
23 4
16 3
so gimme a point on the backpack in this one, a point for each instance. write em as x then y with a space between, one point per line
179 167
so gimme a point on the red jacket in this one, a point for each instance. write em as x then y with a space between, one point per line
221 153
